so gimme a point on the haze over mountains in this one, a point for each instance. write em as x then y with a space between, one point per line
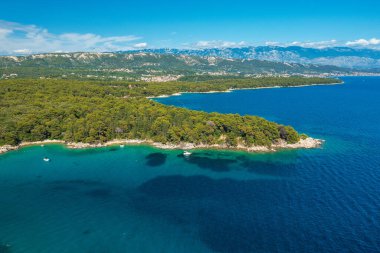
347 57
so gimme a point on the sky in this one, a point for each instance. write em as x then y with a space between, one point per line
28 26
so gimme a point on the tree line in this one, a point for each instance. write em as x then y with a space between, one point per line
96 112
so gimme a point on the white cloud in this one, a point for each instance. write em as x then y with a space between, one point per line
316 44
23 39
22 51
16 38
371 43
272 43
226 44
4 32
218 44
140 45
364 42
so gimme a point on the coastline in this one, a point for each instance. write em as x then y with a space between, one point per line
307 143
237 89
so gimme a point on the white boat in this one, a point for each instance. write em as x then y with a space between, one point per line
186 153
122 146
46 159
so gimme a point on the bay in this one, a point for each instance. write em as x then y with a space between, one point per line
143 199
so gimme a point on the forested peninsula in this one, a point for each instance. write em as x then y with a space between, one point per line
94 113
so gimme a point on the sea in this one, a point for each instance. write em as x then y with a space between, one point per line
143 199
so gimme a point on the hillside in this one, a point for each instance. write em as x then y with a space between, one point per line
146 66
96 112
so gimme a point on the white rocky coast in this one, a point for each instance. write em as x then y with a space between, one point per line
303 143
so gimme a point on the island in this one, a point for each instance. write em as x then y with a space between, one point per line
98 113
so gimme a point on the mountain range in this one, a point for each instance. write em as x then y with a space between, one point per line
159 65
346 57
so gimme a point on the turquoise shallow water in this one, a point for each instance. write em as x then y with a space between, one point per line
142 199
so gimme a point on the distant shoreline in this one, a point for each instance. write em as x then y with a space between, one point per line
307 143
237 89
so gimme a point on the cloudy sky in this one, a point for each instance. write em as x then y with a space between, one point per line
66 26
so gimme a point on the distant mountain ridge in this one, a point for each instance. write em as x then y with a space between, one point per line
337 56
148 65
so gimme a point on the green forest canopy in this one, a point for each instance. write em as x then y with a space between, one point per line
96 112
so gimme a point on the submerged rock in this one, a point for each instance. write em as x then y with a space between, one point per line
5 248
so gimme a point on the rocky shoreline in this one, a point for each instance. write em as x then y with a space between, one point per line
302 144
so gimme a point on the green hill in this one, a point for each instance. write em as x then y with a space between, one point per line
96 112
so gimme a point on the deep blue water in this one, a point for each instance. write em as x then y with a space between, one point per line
141 199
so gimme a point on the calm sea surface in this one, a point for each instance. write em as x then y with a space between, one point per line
142 199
